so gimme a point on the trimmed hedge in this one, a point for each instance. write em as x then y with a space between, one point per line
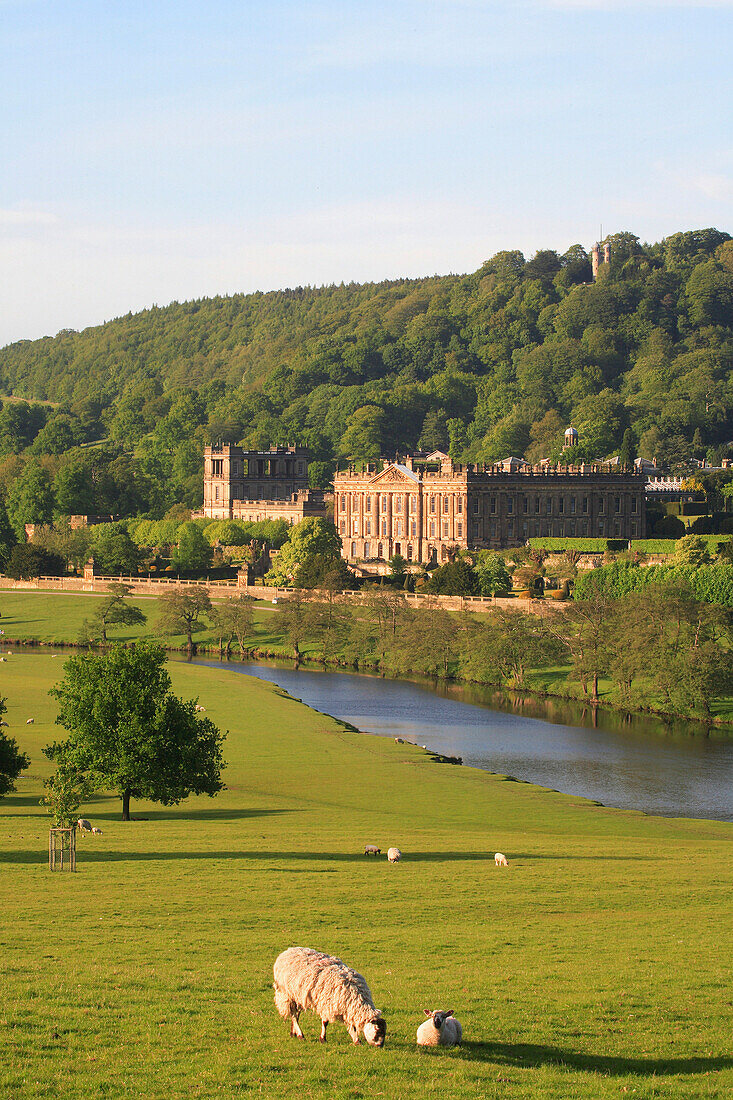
709 583
668 546
585 546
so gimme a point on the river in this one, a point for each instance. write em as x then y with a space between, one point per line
676 770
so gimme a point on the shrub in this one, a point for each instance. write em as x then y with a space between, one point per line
27 560
584 546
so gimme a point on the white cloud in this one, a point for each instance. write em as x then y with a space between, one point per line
26 214
714 185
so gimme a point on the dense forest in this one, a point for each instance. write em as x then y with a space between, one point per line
112 419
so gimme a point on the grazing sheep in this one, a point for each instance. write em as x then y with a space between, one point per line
394 855
400 740
201 710
307 979
29 721
84 825
96 831
441 1029
500 860
372 850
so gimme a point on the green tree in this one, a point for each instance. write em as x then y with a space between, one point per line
181 612
113 549
308 538
291 620
192 552
692 550
130 733
30 499
7 536
66 791
112 610
233 618
627 454
493 576
12 760
363 438
455 578
28 560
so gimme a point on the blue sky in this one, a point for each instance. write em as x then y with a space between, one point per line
171 150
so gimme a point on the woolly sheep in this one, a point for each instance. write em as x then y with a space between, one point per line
307 979
394 855
440 1029
29 721
96 831
372 850
500 860
84 825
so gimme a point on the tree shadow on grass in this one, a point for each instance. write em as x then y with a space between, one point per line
532 1055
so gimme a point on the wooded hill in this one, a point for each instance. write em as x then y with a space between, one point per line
493 363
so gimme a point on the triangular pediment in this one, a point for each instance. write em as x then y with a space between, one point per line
395 474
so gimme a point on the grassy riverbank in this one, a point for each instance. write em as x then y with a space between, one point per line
57 618
597 962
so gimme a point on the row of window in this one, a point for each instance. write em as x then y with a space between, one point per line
410 501
241 469
565 505
400 529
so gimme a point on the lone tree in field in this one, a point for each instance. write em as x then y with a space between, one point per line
12 761
112 610
181 611
130 733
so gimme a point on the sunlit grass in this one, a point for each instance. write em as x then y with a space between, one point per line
597 961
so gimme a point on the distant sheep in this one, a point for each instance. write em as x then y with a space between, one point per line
400 740
394 855
96 831
441 1029
29 721
307 979
201 710
500 860
84 825
372 850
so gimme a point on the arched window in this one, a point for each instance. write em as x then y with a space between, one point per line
353 549
366 550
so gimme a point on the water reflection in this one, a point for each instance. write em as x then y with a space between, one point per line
671 768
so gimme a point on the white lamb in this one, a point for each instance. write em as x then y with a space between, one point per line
309 980
441 1029
394 855
500 860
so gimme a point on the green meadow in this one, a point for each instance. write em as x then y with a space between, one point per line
596 964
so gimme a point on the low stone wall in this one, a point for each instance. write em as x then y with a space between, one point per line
144 586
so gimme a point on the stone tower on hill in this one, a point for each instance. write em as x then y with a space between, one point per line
596 257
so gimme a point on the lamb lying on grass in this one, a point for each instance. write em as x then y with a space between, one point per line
441 1029
309 980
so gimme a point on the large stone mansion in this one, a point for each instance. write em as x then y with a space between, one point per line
423 507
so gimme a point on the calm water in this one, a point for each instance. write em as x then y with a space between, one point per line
674 770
